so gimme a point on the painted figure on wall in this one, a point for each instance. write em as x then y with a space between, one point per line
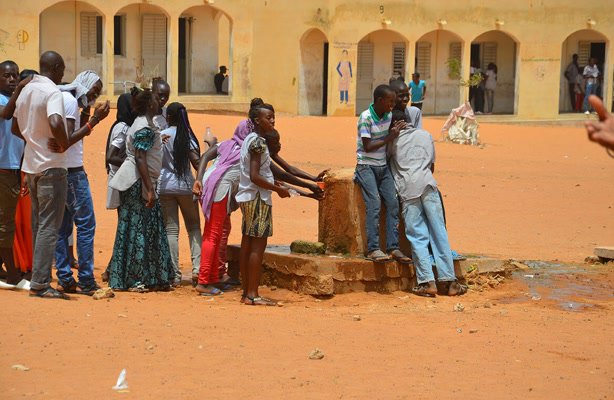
344 69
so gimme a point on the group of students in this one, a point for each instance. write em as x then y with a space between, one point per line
151 149
395 164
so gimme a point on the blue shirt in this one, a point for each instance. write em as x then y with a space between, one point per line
417 91
11 147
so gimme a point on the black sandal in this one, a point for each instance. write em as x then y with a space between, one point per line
460 289
422 290
49 293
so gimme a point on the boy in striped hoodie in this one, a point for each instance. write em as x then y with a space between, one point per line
374 176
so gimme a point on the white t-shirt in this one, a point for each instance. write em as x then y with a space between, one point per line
491 82
118 139
591 73
248 189
39 100
74 154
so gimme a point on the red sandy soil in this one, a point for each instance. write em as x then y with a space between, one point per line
530 193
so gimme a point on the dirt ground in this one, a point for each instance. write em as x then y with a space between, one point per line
531 192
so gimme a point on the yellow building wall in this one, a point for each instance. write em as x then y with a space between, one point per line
265 52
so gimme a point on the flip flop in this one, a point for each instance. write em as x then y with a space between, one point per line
213 292
49 293
378 256
259 301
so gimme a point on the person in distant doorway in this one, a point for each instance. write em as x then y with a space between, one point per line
218 80
344 69
572 73
418 90
490 84
591 75
476 93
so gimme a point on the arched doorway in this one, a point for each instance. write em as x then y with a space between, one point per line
501 49
587 44
140 47
313 73
204 47
382 54
75 29
434 50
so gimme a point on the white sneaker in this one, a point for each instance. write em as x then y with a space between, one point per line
587 112
6 286
23 285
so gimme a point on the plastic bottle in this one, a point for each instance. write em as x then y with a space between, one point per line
208 137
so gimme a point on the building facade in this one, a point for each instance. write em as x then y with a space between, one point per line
318 57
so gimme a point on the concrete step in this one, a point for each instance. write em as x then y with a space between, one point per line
334 274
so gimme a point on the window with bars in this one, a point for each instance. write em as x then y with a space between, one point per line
489 54
584 52
91 34
423 59
398 58
456 50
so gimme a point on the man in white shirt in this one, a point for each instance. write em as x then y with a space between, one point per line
591 73
79 94
39 116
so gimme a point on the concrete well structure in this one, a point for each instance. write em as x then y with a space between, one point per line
344 268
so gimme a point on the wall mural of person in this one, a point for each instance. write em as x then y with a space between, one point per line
344 69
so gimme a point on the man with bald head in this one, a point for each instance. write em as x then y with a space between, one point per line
39 117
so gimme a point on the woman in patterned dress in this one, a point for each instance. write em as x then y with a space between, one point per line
141 258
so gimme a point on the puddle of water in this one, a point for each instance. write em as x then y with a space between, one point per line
545 281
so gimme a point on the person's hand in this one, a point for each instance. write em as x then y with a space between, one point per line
396 128
165 138
151 199
601 132
321 175
101 110
25 190
54 146
24 82
197 189
282 192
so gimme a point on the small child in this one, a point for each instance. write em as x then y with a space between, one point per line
412 164
254 198
373 174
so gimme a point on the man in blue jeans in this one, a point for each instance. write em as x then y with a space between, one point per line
412 164
81 93
39 116
373 174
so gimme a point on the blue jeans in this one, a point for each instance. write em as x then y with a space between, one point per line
48 195
376 184
80 212
591 88
424 223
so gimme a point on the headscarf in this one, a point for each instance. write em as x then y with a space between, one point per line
83 83
125 115
229 154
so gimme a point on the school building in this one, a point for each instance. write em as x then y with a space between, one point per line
319 57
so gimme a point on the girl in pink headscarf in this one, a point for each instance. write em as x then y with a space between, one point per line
217 188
